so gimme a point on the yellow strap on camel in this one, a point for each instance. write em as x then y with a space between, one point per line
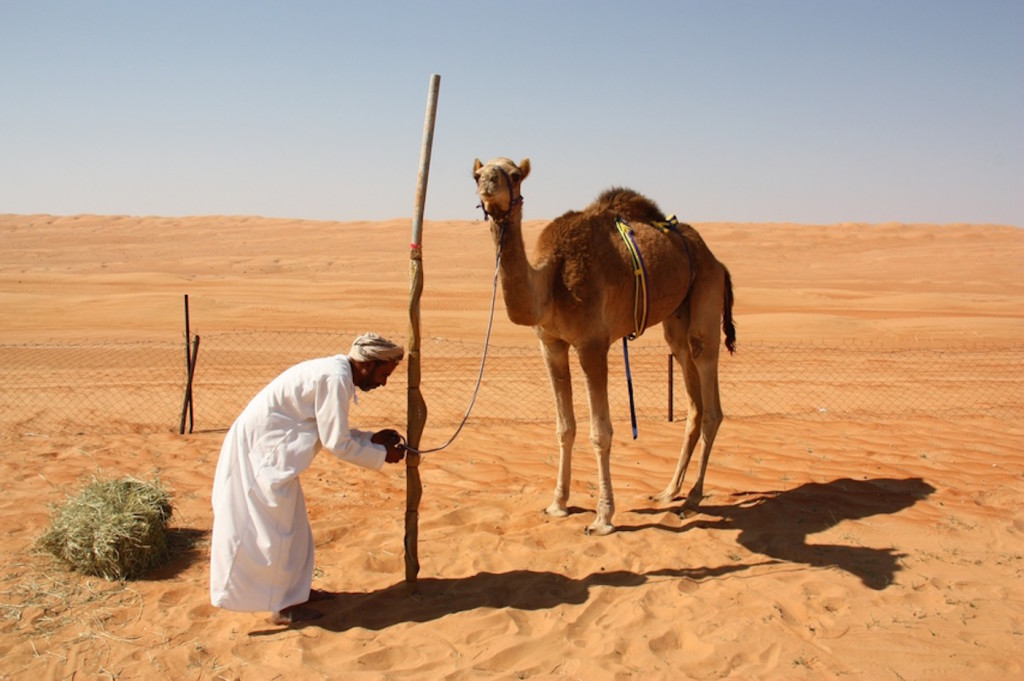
640 302
667 225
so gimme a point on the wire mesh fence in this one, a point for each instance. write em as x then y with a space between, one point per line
140 387
92 386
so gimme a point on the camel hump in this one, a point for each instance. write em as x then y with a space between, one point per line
628 204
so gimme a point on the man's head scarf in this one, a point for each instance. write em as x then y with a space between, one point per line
370 347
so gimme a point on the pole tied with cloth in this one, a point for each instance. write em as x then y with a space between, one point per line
417 408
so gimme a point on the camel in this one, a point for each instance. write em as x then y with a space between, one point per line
580 291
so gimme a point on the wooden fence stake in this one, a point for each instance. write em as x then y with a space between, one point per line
186 408
671 391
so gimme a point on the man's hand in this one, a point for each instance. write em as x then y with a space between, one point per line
386 437
391 440
395 453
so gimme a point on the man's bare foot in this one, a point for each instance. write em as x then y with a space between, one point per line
293 614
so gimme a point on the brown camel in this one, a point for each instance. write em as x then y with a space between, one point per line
580 291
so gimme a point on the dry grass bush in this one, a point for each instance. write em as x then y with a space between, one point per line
116 529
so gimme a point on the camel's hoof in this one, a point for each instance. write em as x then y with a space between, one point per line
663 498
691 506
598 529
556 510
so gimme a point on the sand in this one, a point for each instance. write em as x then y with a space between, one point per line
847 544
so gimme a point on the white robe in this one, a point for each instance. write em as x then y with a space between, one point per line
261 553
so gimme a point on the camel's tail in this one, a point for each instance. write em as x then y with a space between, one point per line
728 327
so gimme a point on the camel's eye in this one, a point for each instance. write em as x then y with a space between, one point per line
516 175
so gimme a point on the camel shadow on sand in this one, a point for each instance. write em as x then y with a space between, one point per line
777 523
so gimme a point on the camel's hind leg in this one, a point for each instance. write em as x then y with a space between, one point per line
556 358
675 333
694 338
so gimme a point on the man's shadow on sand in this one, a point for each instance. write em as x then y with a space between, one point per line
775 524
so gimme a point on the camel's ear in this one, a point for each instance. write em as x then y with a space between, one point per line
477 165
524 168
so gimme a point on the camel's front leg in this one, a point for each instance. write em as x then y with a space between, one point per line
556 358
594 360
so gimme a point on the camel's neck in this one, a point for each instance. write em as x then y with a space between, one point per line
518 277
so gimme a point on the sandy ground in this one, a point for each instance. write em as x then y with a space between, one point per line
838 547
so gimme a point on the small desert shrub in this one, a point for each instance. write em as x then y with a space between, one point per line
115 529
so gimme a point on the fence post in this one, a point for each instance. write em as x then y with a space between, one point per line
671 392
188 387
186 407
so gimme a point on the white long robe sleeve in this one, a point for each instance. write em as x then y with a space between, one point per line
261 554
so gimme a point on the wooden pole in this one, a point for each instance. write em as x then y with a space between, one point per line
417 408
187 404
671 392
191 375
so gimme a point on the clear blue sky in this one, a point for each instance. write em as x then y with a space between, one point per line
812 111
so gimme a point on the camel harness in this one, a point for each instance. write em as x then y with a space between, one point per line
641 300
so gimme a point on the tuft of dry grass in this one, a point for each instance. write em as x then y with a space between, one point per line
116 529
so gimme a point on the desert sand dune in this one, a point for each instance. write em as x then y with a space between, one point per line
845 544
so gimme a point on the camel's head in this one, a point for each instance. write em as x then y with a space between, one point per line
498 184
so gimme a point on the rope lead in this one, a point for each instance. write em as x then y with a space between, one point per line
483 360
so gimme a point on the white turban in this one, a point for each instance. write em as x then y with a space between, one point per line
370 347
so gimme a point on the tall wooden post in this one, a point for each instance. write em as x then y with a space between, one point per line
417 408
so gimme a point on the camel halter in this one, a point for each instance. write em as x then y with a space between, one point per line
641 299
512 204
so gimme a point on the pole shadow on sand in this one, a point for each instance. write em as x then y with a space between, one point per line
519 589
775 524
